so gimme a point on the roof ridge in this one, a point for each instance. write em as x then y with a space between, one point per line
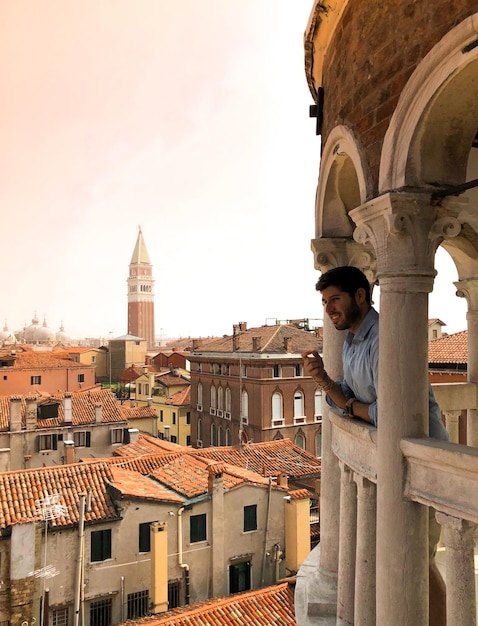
271 337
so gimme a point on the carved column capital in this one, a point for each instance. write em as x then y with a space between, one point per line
404 229
337 251
468 289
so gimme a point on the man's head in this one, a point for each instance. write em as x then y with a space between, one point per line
346 296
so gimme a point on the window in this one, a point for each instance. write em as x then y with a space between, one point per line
276 371
116 435
220 398
300 440
318 405
228 437
173 439
60 617
188 440
161 415
213 397
213 435
219 369
199 367
93 360
298 369
219 436
318 444
188 417
200 429
81 378
244 371
100 612
200 394
35 380
138 604
244 404
277 419
174 590
100 545
228 400
299 417
82 439
47 442
144 537
173 418
250 518
197 528
240 577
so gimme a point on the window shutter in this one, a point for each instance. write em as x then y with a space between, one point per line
126 438
88 439
54 442
37 443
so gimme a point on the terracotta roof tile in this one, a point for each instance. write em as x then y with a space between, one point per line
27 358
180 398
146 444
270 606
272 341
132 412
134 485
449 349
83 408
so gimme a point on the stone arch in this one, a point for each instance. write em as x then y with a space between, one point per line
342 184
431 132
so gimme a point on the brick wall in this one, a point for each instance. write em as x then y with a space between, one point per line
362 88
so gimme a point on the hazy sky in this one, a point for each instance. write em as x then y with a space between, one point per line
187 117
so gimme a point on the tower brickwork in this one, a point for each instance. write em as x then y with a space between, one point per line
141 294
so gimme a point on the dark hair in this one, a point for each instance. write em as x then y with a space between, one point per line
347 278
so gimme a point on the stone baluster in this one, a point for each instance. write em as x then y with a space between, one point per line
452 419
459 544
365 588
347 546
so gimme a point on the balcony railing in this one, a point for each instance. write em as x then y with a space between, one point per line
442 475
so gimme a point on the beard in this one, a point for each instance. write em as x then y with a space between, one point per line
351 316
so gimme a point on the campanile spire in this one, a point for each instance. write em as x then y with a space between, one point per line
141 293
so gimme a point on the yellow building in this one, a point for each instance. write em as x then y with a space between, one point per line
98 357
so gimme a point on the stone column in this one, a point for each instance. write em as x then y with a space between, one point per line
399 227
347 546
365 613
329 253
469 289
460 570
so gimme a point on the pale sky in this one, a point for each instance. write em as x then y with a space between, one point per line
187 118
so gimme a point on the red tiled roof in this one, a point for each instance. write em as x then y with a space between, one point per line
268 458
180 398
272 341
449 349
132 412
270 606
26 358
134 485
83 408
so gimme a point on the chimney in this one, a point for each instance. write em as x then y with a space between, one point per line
235 330
242 326
197 343
215 478
159 567
150 402
98 413
166 432
235 343
256 344
69 452
15 413
133 434
147 360
67 409
31 412
288 344
282 481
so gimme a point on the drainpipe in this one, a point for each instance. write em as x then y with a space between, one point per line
184 566
122 598
266 531
79 566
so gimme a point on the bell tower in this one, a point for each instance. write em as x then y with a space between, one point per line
141 294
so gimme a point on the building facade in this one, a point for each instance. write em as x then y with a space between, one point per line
141 294
251 387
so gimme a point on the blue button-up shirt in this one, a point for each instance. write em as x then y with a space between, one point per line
360 367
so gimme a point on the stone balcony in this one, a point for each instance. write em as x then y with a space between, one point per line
443 475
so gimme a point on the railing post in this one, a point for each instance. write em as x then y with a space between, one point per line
347 546
452 419
460 570
365 588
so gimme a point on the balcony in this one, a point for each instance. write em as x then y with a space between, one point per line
443 475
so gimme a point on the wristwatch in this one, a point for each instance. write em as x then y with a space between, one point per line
349 407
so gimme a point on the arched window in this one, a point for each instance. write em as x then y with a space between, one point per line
277 416
213 398
300 440
200 429
318 405
220 398
299 404
228 400
318 443
245 407
219 436
213 435
200 394
228 437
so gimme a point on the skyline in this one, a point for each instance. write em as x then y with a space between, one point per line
191 121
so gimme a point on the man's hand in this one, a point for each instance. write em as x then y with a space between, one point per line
314 366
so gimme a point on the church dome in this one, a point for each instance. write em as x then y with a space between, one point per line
62 337
6 337
38 334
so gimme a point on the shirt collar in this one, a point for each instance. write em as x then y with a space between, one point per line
368 321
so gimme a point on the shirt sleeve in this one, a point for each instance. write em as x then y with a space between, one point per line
348 393
373 407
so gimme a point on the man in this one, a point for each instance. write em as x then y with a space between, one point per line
347 301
